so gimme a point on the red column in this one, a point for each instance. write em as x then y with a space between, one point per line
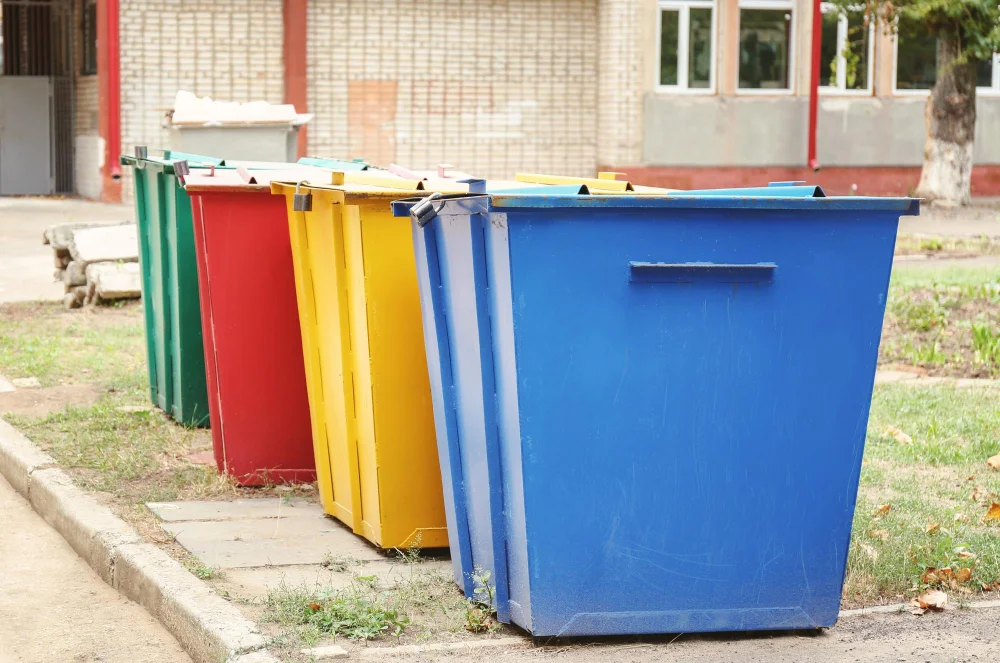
817 34
295 44
109 98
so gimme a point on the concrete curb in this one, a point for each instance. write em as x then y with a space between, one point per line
208 627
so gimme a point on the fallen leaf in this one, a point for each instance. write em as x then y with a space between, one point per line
961 518
978 496
314 606
965 554
870 551
987 587
898 435
963 575
882 534
993 462
946 574
993 513
929 576
917 611
971 478
882 509
932 527
934 599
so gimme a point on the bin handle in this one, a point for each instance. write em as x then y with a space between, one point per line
701 272
425 211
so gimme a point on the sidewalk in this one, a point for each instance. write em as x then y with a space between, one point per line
53 607
25 263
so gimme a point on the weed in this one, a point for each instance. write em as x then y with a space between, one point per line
986 343
479 610
411 555
370 581
919 314
932 244
202 571
356 613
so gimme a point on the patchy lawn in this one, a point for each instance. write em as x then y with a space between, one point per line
120 446
946 247
949 330
925 492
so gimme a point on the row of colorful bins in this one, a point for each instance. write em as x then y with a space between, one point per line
613 386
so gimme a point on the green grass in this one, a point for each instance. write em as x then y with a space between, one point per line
933 520
44 340
921 276
357 613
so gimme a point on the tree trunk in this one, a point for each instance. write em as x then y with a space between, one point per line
951 125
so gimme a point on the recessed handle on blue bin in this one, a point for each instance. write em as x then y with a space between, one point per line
700 272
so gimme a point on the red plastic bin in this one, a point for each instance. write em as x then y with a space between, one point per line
258 406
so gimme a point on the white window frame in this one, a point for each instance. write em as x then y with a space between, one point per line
683 9
994 89
789 6
842 88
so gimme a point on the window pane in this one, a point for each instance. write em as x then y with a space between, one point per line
669 31
700 48
828 49
984 73
916 58
764 38
856 51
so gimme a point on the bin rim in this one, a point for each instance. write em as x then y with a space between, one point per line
244 180
512 200
357 187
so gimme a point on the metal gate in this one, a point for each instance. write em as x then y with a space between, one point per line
37 38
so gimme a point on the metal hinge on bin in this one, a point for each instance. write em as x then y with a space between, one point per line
141 151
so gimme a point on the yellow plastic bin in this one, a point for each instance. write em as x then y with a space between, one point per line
604 183
366 371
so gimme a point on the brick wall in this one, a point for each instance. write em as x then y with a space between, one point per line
493 87
226 49
622 23
88 149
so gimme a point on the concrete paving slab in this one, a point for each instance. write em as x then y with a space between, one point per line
229 544
5 385
256 583
235 510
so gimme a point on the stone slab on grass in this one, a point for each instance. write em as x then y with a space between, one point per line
229 544
235 510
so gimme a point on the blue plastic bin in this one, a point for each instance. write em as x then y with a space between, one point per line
651 411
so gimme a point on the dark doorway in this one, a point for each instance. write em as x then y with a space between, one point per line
36 96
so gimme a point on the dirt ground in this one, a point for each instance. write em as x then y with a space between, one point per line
960 636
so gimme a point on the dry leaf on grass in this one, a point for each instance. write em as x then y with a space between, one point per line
881 510
929 576
946 574
993 462
961 518
965 554
870 551
993 513
882 534
963 575
932 600
932 527
898 435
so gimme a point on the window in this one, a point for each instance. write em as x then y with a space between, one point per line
687 46
845 51
916 61
988 74
916 56
765 45
88 28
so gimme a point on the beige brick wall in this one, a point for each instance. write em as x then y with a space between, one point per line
491 86
227 49
87 147
625 35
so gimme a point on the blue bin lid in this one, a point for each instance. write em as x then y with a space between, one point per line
781 196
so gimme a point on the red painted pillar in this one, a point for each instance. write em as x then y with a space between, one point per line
817 34
109 98
294 15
